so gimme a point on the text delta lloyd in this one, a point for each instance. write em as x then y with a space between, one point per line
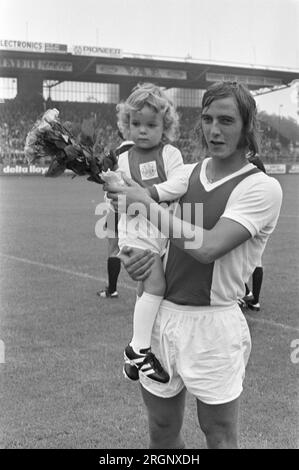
19 169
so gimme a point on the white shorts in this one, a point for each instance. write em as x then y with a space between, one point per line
204 349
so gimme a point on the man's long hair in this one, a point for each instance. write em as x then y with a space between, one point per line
247 109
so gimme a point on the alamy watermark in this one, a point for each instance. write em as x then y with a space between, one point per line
185 222
295 351
2 352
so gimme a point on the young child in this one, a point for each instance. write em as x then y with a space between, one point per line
149 119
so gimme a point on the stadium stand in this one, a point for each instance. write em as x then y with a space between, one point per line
96 122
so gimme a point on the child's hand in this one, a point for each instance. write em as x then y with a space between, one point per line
112 177
132 192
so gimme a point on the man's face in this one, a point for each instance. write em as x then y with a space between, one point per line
146 127
222 127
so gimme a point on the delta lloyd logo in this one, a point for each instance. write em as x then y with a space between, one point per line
21 169
188 217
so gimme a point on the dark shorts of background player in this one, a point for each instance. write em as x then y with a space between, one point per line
112 223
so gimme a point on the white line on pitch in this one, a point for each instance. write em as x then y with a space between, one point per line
126 286
62 270
270 323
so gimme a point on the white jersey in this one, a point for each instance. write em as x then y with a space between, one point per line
249 197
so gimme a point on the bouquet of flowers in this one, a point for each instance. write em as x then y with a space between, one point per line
49 138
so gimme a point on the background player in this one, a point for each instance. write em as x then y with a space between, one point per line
251 298
113 262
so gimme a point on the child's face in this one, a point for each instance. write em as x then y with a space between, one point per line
146 127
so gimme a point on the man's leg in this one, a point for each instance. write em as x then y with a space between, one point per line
113 268
257 280
113 264
219 423
165 418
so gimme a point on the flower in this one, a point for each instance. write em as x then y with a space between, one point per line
51 115
43 125
49 138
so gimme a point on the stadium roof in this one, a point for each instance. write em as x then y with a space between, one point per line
128 68
192 60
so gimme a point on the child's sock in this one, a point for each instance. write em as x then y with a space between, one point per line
146 309
113 267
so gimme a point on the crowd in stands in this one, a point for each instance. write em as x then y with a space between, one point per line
94 123
274 148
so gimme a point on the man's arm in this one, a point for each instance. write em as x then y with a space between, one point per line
203 245
252 208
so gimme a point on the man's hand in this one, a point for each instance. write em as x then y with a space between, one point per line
138 266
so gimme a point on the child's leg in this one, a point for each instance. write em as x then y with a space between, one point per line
147 307
138 357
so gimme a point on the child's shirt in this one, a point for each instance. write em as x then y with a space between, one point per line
158 169
161 171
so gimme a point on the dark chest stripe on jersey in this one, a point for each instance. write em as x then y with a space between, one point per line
136 158
189 282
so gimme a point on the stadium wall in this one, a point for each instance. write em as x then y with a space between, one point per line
36 170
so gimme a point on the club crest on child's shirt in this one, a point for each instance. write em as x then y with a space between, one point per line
148 170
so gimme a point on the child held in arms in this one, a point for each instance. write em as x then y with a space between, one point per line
149 119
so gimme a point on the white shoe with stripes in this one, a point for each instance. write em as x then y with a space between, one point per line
145 363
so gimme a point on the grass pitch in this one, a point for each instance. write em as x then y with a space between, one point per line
61 383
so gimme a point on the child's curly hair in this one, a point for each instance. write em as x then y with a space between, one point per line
150 95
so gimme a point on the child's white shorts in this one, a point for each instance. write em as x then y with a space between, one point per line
204 349
138 232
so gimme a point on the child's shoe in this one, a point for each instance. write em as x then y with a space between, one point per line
145 363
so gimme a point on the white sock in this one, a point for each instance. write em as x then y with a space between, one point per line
145 312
